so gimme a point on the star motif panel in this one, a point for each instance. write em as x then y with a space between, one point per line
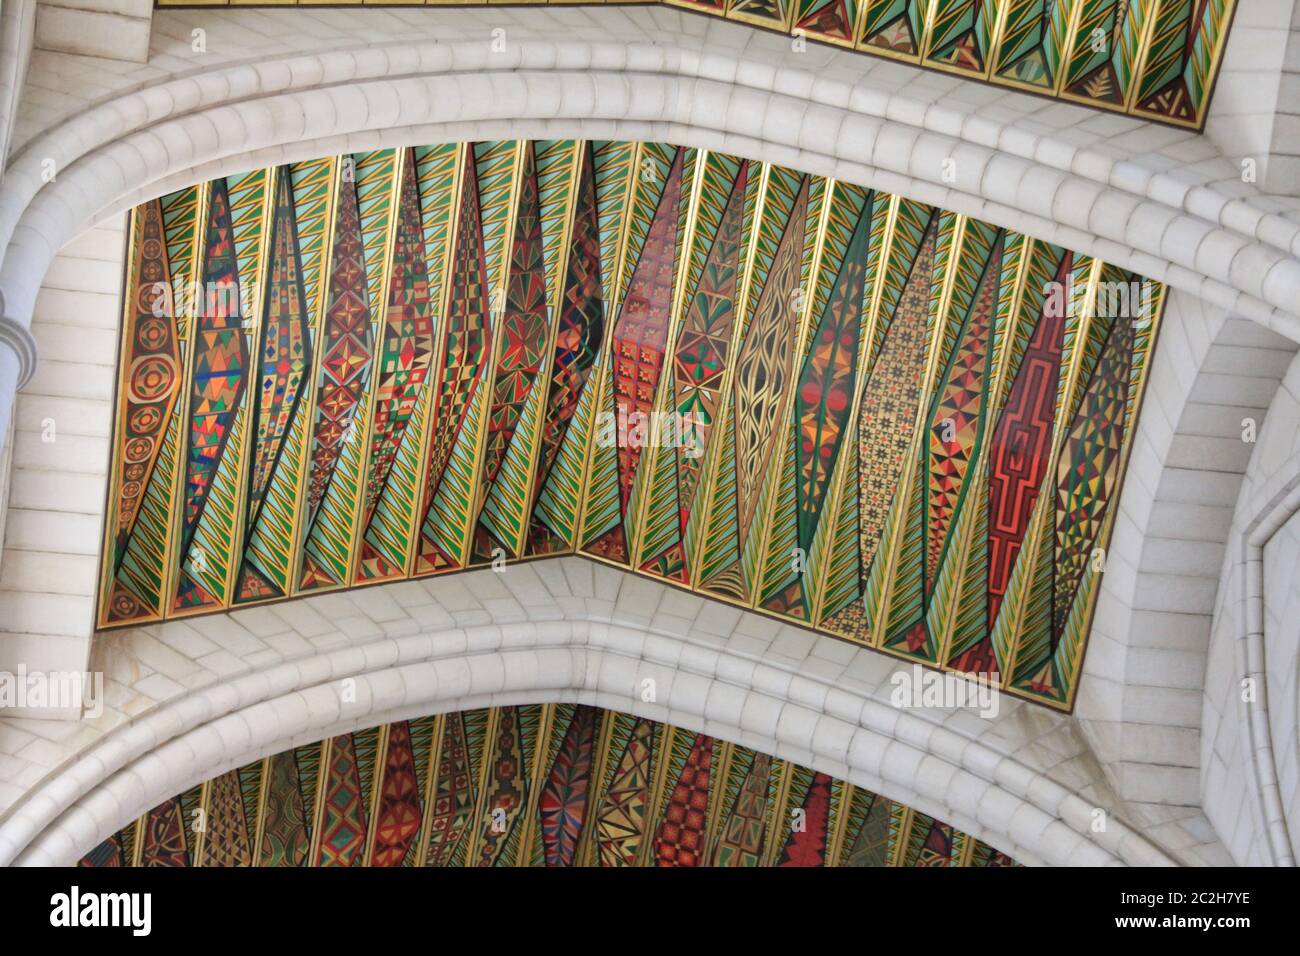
542 785
1155 59
858 413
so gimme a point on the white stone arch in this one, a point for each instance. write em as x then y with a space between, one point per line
1252 114
1212 375
1242 739
911 756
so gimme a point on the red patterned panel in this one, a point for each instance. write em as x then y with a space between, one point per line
453 796
467 337
406 354
680 840
1018 457
347 346
507 787
806 846
397 820
343 822
640 336
163 836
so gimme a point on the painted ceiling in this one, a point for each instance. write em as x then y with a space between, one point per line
896 425
538 785
1156 59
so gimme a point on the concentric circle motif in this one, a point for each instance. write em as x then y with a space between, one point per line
152 334
133 471
123 606
130 489
144 420
151 378
138 449
153 297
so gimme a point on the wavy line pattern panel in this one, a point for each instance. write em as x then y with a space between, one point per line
760 385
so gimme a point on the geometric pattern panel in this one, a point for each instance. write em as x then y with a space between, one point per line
539 785
1156 59
895 425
